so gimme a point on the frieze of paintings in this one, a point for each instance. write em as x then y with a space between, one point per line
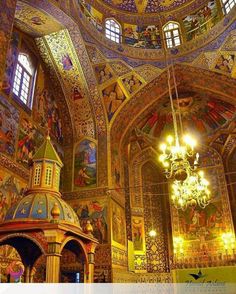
85 164
147 37
9 118
201 21
94 211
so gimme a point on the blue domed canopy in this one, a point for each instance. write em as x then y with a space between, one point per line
38 206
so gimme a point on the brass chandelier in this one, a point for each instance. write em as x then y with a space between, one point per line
181 162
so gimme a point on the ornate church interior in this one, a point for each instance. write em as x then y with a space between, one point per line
117 141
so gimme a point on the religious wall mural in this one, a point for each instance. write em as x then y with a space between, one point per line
138 233
103 73
200 114
29 141
92 15
11 190
118 224
147 37
94 211
225 62
132 83
37 21
85 164
201 21
46 111
9 119
11 60
113 97
208 223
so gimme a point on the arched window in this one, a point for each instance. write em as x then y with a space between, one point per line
48 176
112 30
37 175
228 5
23 80
172 34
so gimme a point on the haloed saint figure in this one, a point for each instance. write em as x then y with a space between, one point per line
85 164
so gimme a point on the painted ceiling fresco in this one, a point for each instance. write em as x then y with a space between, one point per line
35 21
200 113
68 68
148 6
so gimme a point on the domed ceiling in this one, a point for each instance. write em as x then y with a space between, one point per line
147 6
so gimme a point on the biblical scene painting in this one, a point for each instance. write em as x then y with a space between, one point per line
46 111
94 211
113 97
103 73
85 164
11 60
142 36
29 141
118 224
11 190
138 233
225 63
207 223
93 15
9 118
201 21
200 115
132 83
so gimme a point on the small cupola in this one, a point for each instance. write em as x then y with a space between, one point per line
46 169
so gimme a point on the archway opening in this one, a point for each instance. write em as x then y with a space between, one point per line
73 263
19 255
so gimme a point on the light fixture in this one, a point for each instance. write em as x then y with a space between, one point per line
152 233
180 160
191 192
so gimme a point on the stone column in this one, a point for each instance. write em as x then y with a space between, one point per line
53 263
90 277
7 14
27 274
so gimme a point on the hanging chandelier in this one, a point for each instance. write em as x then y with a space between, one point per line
178 159
181 161
191 192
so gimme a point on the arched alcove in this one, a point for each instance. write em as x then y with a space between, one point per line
156 217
